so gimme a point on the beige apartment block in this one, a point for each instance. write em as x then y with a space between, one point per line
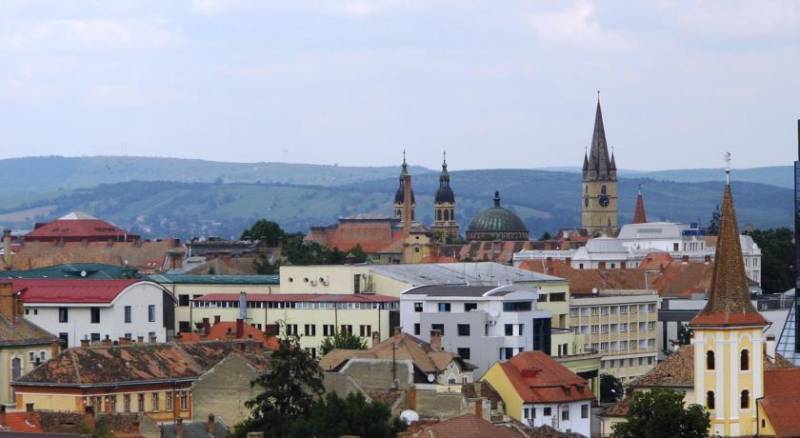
622 325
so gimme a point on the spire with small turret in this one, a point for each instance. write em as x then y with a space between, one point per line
399 195
444 204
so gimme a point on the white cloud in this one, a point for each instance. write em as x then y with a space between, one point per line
739 19
91 34
212 7
577 27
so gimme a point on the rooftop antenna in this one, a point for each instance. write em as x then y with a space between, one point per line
727 168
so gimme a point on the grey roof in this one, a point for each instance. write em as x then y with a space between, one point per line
450 290
785 346
600 167
497 220
195 429
214 279
475 273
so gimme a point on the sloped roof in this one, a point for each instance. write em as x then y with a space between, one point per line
782 400
20 331
76 270
128 364
78 225
224 330
729 297
639 215
70 291
406 347
466 426
538 378
215 279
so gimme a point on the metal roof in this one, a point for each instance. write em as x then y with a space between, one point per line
76 270
215 279
476 273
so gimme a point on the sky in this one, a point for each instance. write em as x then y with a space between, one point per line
497 84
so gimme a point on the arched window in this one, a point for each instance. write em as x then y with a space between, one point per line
745 401
710 399
603 189
446 215
438 215
586 189
744 360
709 360
586 202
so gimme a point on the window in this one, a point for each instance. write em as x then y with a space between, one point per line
95 315
126 403
154 402
463 353
444 307
365 331
184 400
509 352
526 413
310 330
559 296
438 327
710 399
183 300
418 307
347 328
709 360
469 307
509 329
327 330
127 314
547 412
416 329
463 330
94 337
542 298
565 414
584 411
170 400
744 403
151 313
140 403
64 339
519 306
63 314
744 360
291 329
356 283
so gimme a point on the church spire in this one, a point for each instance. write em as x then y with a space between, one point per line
600 164
729 295
639 216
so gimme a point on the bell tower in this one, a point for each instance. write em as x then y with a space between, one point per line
444 207
399 195
599 186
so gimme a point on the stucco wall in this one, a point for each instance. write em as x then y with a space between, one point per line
223 391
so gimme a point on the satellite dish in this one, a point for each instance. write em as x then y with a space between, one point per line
83 273
408 416
431 378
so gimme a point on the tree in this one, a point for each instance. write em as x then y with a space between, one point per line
342 339
660 413
262 265
777 258
264 230
333 417
713 225
611 389
545 236
291 387
356 254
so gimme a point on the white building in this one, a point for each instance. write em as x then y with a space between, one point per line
94 310
635 241
482 324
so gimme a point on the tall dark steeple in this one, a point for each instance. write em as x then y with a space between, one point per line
399 195
639 215
600 166
599 185
444 205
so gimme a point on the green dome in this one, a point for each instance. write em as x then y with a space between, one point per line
497 223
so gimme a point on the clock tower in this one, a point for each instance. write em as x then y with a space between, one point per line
599 185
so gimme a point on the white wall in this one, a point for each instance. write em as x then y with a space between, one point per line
575 424
112 316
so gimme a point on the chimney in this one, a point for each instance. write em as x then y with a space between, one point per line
685 259
211 426
239 328
124 341
106 341
9 301
179 432
153 339
55 348
140 339
479 408
436 340
376 338
7 252
411 398
771 344
88 417
84 342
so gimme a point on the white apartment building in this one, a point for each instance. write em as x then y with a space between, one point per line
94 310
636 241
482 324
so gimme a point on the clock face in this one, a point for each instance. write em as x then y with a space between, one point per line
603 200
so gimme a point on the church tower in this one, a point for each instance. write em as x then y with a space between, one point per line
728 341
599 203
444 208
639 216
399 195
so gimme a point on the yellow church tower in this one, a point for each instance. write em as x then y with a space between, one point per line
728 341
599 184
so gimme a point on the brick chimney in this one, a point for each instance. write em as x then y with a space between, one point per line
84 342
239 328
55 348
7 252
436 340
10 305
211 426
88 417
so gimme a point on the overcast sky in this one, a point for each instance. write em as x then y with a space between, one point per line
495 83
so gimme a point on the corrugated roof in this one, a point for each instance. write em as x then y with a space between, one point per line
459 273
318 298
215 279
70 291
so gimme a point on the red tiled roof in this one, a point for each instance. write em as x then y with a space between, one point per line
70 291
224 329
77 229
538 378
374 237
465 426
782 400
20 423
321 298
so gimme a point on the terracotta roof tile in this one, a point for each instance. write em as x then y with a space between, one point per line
70 290
20 331
782 400
76 228
466 426
538 378
225 330
146 256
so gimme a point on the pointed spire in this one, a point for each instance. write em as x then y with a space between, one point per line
729 295
599 160
497 198
404 168
585 163
639 216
